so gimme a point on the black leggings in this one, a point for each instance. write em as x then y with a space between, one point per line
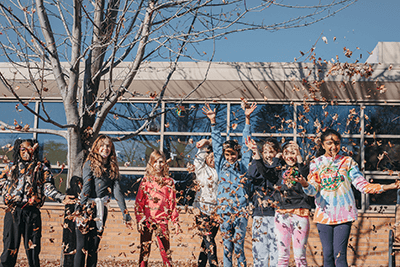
208 230
24 222
145 244
88 243
334 239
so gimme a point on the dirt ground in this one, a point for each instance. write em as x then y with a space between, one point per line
105 263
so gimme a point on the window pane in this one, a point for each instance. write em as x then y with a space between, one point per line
382 154
345 119
126 116
136 151
15 111
130 185
185 187
265 119
382 119
54 148
190 118
60 179
181 149
56 112
386 198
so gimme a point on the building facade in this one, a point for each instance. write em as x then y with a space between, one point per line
295 102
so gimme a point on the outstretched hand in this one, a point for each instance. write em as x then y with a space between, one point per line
211 114
250 109
395 185
69 199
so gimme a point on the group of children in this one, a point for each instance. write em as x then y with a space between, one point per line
283 189
281 186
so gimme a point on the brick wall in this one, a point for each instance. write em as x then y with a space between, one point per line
368 241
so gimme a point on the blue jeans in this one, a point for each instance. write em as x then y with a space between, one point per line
265 251
334 240
233 230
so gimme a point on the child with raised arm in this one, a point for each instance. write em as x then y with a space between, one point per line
330 179
265 251
291 216
231 163
155 206
206 202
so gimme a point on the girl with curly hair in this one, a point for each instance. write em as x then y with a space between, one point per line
155 206
100 180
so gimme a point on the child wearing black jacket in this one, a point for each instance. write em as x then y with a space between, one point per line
264 239
291 216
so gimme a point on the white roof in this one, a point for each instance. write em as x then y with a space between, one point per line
385 52
263 81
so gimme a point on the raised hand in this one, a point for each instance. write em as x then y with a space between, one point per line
252 145
250 109
296 149
203 142
209 113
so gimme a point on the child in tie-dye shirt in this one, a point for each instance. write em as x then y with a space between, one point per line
330 179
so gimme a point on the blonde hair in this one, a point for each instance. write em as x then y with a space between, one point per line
153 157
96 160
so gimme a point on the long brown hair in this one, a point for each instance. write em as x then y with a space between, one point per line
153 157
96 160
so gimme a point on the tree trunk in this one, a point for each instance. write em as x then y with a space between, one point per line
76 156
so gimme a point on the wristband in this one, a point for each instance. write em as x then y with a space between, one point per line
213 124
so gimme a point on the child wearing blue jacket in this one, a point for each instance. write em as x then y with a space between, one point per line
231 163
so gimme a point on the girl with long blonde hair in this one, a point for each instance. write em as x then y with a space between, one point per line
155 206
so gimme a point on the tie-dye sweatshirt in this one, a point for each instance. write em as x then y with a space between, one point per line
330 181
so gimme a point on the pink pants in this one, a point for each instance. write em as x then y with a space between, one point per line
290 227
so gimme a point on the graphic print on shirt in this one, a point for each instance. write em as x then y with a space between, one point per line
330 176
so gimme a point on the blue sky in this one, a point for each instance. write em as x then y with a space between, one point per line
361 25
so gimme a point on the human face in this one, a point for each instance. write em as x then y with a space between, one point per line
158 166
269 153
25 151
231 155
105 149
289 155
331 145
210 160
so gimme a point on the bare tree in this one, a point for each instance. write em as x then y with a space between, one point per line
81 43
